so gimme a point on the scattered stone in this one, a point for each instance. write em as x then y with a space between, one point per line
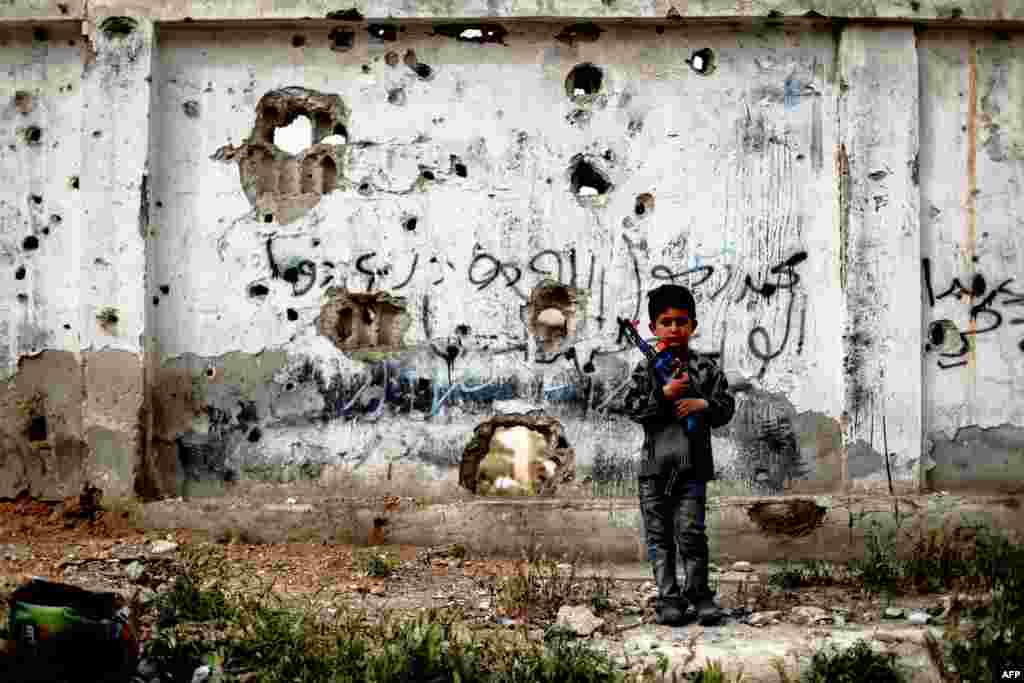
806 614
201 675
135 571
161 547
742 566
580 620
919 618
763 618
893 613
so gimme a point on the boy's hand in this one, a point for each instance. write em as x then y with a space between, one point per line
677 387
690 405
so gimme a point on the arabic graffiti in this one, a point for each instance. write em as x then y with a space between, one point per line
945 337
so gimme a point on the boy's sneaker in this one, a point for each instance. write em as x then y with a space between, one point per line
671 611
708 613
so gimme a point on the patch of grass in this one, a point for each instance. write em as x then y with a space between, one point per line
856 664
377 564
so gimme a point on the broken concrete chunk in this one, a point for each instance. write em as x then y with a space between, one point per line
806 614
760 619
579 619
161 547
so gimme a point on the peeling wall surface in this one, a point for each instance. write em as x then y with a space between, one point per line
316 237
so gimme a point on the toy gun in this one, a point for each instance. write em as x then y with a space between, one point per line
666 366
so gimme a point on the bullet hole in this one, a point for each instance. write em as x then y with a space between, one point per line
702 61
659 30
427 175
396 96
423 71
293 315
33 135
365 188
579 118
118 27
298 41
410 224
156 301
549 181
268 218
290 386
37 428
462 330
159 205
165 289
30 243
23 298
342 41
608 155
366 68
23 102
55 218
800 157
316 242
584 79
73 182
40 35
36 199
256 291
46 231
191 109
460 170
254 435
19 274
67 326
291 275
644 204
472 33
382 33
586 180
97 134
391 59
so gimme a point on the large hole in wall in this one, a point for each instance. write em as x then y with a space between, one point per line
295 154
551 315
363 321
517 455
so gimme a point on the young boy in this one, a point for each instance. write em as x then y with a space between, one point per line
677 461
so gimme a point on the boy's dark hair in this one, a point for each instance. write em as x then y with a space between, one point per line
665 297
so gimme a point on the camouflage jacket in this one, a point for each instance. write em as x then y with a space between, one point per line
667 446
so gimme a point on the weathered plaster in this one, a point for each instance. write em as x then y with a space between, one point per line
782 185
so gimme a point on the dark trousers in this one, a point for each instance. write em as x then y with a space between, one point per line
674 525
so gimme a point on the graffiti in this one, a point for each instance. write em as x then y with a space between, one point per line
945 337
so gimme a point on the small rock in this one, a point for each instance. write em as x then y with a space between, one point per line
742 566
809 615
893 613
763 618
135 571
201 675
291 501
161 547
580 620
919 618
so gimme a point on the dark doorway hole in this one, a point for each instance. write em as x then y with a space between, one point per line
31 242
298 41
340 130
584 79
37 428
156 301
268 218
40 35
210 372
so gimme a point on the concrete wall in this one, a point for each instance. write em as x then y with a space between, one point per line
842 197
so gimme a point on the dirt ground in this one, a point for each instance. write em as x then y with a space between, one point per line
109 554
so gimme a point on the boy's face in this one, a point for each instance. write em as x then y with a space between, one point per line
674 327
